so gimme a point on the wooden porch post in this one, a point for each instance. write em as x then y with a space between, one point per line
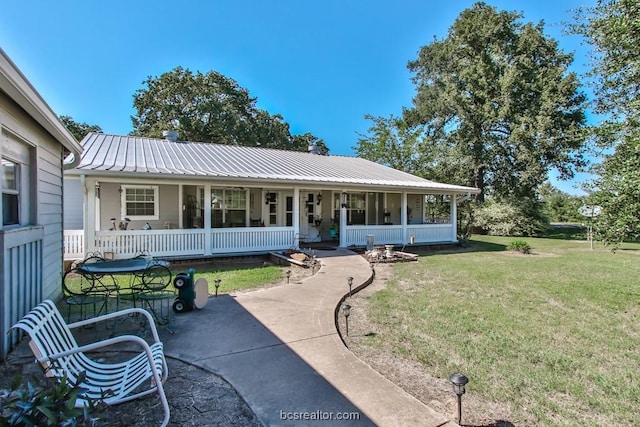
454 218
296 216
89 217
343 220
180 205
207 219
403 216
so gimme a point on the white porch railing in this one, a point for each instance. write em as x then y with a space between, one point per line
160 243
393 234
255 239
73 244
221 241
192 242
22 280
382 234
430 233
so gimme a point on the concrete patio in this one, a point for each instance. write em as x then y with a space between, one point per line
280 349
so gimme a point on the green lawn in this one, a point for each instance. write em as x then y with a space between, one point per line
239 278
231 279
555 334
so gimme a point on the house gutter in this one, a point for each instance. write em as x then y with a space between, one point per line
117 176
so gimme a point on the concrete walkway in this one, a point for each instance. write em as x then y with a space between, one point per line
280 349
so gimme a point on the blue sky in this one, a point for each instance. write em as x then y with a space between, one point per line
321 65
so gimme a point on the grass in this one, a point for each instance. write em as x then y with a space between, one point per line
553 334
231 279
235 279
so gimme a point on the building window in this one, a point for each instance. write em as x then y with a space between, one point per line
356 207
140 202
228 208
10 193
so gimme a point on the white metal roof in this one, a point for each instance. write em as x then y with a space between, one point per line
114 155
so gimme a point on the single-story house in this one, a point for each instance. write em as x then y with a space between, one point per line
175 198
34 144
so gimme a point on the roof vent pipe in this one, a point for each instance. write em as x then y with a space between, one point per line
170 135
314 149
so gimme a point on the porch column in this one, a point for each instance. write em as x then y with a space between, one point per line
180 207
403 216
343 220
296 216
89 217
454 218
207 219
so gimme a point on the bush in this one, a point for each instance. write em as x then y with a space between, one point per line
519 246
49 404
520 218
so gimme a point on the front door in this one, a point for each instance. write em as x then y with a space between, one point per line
309 212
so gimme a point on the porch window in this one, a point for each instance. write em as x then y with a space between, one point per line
140 202
437 209
356 208
10 193
228 208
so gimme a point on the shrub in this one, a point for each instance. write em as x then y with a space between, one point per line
519 218
51 403
519 246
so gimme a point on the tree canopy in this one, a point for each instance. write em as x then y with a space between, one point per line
209 107
612 28
77 129
495 106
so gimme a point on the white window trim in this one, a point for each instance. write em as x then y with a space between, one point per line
13 191
156 202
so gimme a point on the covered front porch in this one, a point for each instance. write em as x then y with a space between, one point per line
199 219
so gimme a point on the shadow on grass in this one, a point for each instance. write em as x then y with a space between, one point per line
462 247
566 232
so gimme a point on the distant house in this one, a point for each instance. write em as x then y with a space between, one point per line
34 143
172 198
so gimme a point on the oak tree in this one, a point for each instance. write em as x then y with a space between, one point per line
497 104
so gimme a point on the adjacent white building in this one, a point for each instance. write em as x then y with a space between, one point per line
33 145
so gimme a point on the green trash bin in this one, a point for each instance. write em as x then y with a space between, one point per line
183 282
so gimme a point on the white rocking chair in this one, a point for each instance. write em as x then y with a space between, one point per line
57 351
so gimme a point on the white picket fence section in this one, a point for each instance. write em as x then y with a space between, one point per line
357 235
73 244
430 233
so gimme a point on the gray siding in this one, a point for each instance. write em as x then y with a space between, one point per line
46 201
72 208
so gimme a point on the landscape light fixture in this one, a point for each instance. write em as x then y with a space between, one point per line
319 198
346 310
350 282
217 286
459 381
288 273
344 199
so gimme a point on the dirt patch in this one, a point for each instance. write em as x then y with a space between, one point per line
408 373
